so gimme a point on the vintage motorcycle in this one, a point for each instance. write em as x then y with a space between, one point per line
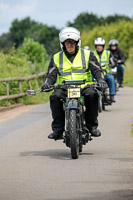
76 133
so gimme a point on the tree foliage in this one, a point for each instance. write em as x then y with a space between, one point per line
6 42
48 36
19 29
35 52
87 21
122 31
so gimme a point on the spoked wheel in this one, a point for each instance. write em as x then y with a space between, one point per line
74 136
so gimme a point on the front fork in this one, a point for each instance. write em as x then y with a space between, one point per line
81 128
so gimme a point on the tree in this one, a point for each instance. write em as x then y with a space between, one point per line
85 21
6 42
115 18
48 36
19 30
39 32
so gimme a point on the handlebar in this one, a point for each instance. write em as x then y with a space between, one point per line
66 85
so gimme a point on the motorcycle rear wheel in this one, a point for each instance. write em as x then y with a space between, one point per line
74 136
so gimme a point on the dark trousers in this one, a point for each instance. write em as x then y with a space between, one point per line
120 73
58 114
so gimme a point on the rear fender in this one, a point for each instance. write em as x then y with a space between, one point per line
73 104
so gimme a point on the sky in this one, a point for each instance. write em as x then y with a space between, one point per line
58 12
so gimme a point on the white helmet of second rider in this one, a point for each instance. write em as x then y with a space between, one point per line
99 41
86 47
69 33
113 42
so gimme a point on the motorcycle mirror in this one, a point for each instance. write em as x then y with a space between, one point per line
30 93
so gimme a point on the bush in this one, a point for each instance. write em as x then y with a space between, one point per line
35 52
22 63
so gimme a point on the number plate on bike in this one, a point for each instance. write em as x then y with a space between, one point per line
73 92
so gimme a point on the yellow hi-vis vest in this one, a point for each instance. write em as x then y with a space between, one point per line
71 71
104 60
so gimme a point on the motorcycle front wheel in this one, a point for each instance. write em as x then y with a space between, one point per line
74 136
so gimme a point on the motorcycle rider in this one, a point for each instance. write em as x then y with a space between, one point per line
106 61
120 59
73 63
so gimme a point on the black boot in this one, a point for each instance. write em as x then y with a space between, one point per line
55 136
112 98
121 84
95 132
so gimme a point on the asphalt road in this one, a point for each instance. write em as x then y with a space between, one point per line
32 167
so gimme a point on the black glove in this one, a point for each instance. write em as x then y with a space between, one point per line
102 84
120 62
45 86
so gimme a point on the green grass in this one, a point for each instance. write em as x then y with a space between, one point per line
13 65
128 76
128 80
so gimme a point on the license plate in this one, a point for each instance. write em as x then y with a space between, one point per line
73 92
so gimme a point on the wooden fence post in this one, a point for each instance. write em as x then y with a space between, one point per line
20 86
29 83
36 81
7 88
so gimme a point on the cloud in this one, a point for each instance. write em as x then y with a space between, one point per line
58 12
14 9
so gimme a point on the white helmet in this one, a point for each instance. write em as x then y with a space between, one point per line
99 41
113 42
86 47
69 33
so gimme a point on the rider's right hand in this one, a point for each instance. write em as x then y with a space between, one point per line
45 86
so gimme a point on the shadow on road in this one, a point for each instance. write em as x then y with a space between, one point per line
112 195
59 154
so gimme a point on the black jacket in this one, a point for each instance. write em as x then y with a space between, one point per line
118 55
94 66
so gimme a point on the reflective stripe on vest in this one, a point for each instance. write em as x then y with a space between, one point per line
76 70
104 60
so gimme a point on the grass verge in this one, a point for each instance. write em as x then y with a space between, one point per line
128 76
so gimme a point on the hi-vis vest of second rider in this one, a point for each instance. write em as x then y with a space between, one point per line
104 61
79 69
